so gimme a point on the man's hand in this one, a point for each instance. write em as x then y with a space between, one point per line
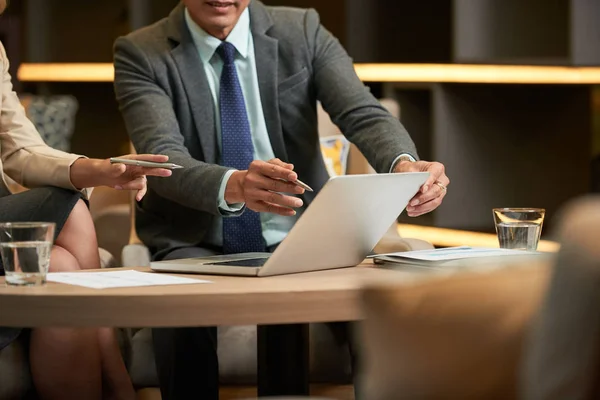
433 190
262 185
93 172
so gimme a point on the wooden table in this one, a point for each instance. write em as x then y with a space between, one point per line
289 302
320 296
282 306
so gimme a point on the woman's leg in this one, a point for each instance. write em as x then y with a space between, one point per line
116 379
91 354
78 237
65 363
62 261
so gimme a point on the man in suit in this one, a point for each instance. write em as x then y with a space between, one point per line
228 89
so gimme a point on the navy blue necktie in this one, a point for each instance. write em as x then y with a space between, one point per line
243 233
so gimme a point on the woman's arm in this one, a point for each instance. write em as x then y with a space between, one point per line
30 162
25 156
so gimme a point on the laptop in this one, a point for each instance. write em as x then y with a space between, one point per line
339 229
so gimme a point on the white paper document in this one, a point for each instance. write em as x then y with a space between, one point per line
118 279
450 254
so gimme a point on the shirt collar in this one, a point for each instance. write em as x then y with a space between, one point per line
207 44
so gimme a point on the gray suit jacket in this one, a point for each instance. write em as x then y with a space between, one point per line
164 96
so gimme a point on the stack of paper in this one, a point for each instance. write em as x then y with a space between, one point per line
118 279
440 256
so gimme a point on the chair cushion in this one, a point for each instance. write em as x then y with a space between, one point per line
112 229
107 260
456 337
135 255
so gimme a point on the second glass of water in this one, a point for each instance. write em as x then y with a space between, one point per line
25 248
519 228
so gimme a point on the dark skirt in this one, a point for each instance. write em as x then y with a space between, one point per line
45 204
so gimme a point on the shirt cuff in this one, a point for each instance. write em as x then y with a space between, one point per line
225 207
410 157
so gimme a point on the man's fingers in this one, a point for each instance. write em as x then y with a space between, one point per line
275 198
272 170
261 182
282 164
422 198
441 183
135 184
432 192
443 180
424 208
436 171
261 206
277 185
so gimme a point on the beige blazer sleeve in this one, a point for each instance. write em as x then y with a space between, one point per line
24 155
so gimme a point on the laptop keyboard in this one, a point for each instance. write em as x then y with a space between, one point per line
250 262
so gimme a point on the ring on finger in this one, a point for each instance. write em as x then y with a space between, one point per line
441 185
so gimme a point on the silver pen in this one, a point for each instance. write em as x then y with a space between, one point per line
298 182
303 185
146 164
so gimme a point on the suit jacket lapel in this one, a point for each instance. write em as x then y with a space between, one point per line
266 55
195 82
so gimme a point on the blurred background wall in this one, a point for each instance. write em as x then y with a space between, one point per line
503 144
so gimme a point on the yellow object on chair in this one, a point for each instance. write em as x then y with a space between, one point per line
335 151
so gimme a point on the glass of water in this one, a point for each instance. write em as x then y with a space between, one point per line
25 248
519 228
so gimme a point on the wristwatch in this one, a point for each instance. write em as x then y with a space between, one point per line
406 157
400 158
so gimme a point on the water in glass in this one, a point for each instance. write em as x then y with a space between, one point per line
27 262
518 235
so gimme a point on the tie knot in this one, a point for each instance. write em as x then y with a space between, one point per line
227 52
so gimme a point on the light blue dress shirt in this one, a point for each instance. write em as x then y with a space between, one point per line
274 227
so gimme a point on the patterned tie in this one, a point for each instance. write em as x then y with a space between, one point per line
244 233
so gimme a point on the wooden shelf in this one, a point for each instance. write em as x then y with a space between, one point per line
433 73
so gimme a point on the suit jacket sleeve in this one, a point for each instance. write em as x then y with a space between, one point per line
359 115
153 128
25 156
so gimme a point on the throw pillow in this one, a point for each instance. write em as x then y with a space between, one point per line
53 117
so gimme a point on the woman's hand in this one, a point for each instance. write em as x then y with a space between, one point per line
94 172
